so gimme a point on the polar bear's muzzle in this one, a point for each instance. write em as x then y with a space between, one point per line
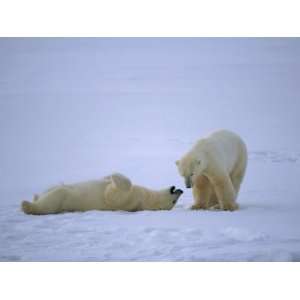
175 191
188 182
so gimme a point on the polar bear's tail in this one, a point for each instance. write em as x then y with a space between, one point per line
27 208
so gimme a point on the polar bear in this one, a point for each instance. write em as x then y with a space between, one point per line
114 192
215 168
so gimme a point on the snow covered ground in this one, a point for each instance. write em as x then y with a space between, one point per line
78 109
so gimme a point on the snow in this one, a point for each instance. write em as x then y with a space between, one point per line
78 109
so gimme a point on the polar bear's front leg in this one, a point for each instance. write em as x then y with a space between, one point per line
202 192
198 204
118 194
121 182
225 192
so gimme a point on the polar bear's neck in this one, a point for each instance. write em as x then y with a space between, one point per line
150 199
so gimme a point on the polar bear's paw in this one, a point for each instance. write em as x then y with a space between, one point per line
27 207
197 206
121 182
230 206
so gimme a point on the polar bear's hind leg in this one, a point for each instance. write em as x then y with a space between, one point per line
225 193
237 176
28 208
50 203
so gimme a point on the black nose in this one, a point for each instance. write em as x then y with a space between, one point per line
172 189
179 191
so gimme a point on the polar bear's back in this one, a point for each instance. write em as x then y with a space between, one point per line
227 140
225 146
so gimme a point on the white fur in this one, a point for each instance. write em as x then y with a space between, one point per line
215 168
114 192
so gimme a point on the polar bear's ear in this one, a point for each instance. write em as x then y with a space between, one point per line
177 162
121 182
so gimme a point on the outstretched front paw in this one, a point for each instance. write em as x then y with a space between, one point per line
197 206
231 206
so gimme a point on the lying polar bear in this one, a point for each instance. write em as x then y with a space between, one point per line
114 192
215 168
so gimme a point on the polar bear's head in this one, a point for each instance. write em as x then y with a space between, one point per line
190 167
164 199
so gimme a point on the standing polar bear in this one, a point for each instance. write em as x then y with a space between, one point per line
114 192
215 168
